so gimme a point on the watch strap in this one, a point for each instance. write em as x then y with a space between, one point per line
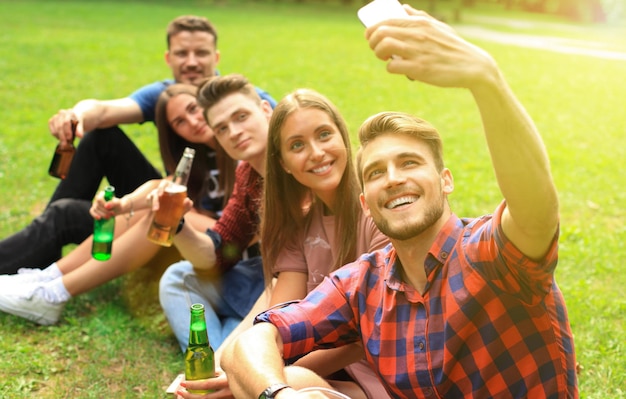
181 224
271 391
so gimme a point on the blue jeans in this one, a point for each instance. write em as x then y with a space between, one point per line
227 300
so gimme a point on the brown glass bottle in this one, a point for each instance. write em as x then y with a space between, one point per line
63 155
166 219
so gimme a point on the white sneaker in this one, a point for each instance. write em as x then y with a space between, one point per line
32 307
25 275
27 270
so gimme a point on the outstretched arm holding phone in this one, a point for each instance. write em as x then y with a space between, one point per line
404 189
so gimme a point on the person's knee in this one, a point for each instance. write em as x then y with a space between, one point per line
65 212
173 277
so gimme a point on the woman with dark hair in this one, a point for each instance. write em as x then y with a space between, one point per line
213 171
40 295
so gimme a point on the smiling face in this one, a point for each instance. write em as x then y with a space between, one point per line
313 151
403 190
185 117
240 124
192 56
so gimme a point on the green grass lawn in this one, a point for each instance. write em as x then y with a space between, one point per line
114 342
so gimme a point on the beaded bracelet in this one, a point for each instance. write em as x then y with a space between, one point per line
131 212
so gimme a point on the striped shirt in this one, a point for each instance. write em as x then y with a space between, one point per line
490 324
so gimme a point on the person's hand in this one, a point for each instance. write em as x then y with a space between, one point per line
430 51
101 209
153 197
219 386
60 125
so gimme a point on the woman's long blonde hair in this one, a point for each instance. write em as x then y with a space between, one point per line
287 204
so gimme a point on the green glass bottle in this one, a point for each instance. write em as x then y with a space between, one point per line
103 230
199 357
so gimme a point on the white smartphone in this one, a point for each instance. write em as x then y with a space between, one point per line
380 10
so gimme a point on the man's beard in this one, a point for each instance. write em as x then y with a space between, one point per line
193 69
432 213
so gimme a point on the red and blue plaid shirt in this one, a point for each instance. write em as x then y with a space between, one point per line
491 322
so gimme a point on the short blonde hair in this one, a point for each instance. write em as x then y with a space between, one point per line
399 123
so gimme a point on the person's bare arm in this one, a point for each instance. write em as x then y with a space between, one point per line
522 169
253 361
92 114
130 203
198 248
430 51
324 362
288 286
259 306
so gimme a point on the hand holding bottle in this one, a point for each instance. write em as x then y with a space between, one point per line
218 386
103 231
153 198
127 205
65 125
199 356
103 209
63 155
168 206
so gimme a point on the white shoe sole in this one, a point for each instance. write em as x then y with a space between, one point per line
35 308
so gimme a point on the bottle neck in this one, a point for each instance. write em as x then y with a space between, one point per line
181 178
109 193
197 331
183 169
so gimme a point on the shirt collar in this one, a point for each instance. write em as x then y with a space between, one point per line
447 238
437 255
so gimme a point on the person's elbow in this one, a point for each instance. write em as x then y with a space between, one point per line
204 263
227 358
257 342
228 361
197 248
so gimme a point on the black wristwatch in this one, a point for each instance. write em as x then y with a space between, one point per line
271 391
181 224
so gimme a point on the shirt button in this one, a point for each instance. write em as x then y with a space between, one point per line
444 255
427 391
420 345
